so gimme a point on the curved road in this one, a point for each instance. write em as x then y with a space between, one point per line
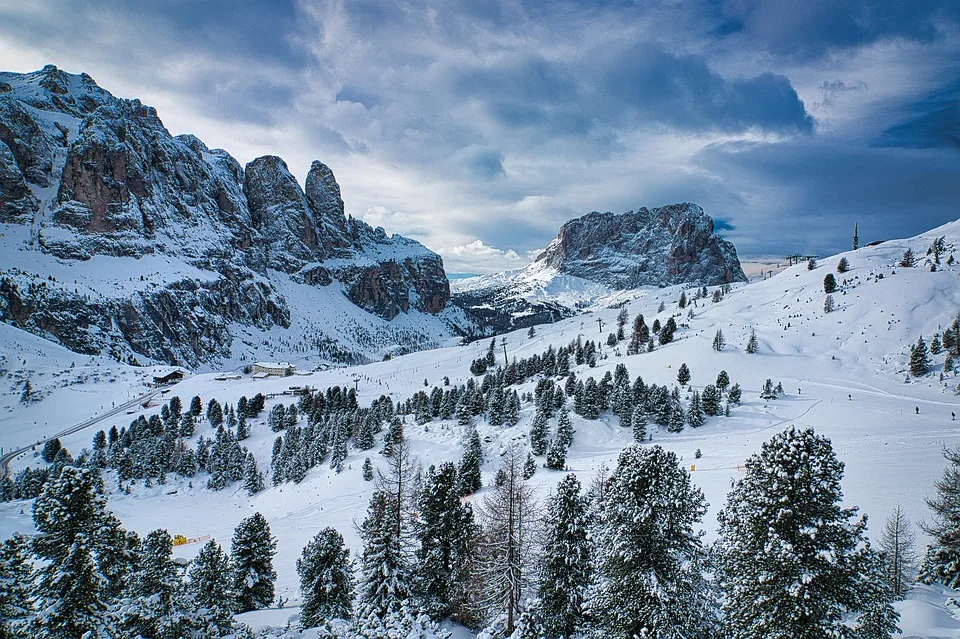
137 401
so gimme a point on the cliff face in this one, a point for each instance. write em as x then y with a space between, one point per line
673 244
87 175
597 253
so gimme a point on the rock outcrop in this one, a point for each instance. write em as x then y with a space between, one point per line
93 175
597 253
673 244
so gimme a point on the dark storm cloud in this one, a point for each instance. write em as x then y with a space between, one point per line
811 192
814 28
933 121
682 91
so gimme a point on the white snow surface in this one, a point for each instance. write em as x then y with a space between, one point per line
843 374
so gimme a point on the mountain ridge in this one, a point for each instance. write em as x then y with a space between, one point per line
86 174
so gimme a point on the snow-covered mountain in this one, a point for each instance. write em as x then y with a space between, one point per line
117 237
597 254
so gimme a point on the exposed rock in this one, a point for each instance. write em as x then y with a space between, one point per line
16 199
600 252
650 247
126 188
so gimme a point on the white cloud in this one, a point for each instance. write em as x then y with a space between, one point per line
391 221
476 256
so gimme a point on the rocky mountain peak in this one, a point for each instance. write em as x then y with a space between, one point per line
97 175
648 247
323 193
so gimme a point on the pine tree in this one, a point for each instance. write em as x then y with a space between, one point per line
695 416
649 559
564 430
469 471
828 304
843 265
16 575
367 470
214 413
677 419
540 434
196 406
856 238
711 400
942 561
118 555
733 397
639 424
530 466
385 580
556 456
898 544
565 566
50 449
829 283
919 360
445 532
752 345
69 597
907 260
252 476
793 563
718 341
158 604
326 579
683 375
251 564
723 380
210 584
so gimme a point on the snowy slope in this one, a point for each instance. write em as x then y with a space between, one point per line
843 373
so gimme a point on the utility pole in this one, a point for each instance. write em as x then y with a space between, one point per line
600 325
356 383
503 342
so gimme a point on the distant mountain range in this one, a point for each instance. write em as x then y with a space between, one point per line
119 238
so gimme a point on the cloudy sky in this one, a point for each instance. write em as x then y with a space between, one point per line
478 126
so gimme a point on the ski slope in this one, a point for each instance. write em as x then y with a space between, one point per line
843 373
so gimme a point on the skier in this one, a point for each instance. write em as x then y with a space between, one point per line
917 408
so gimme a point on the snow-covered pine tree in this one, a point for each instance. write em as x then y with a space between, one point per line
695 416
210 584
158 605
723 380
71 595
118 555
556 456
829 283
719 342
214 413
648 559
469 469
530 466
367 470
942 561
710 400
752 344
683 375
446 533
252 476
899 546
251 564
16 575
793 563
196 406
919 358
564 429
540 434
639 424
733 397
677 418
385 580
565 566
326 579
276 418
